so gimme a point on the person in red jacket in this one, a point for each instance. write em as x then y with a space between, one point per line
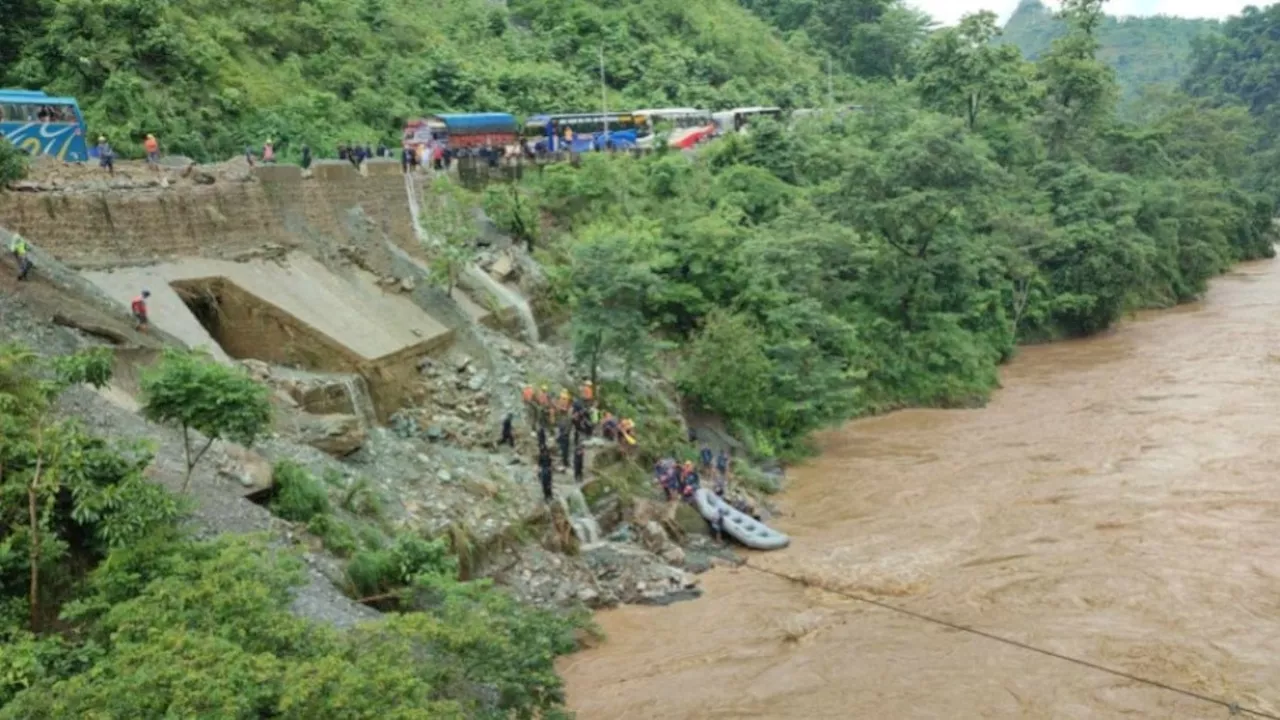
139 307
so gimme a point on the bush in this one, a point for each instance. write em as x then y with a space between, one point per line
337 536
13 163
299 496
373 572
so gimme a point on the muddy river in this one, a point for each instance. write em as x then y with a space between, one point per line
1118 501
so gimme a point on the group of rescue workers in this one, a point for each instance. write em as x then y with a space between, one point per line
571 417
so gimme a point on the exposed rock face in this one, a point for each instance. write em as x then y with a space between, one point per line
338 435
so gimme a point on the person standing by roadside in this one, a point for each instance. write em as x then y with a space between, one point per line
268 152
152 146
306 156
106 156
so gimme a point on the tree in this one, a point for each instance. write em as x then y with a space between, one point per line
961 71
80 496
1080 90
609 284
190 389
726 368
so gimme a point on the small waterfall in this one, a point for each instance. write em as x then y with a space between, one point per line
361 401
585 526
479 278
511 297
415 210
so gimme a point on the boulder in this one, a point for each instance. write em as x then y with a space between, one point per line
691 521
338 435
503 268
406 284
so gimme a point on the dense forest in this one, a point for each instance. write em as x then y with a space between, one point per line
1144 51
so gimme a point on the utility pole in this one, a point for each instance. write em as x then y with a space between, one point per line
604 98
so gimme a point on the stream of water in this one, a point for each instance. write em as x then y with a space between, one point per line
1117 501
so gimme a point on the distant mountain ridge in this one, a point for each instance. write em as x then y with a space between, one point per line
1143 51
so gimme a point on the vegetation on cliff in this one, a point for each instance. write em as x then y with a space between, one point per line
210 78
108 608
1143 51
895 256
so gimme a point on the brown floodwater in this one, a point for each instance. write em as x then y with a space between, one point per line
1117 501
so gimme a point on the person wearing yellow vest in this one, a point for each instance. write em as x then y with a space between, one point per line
18 246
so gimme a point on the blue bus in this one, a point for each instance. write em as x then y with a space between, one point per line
42 124
590 131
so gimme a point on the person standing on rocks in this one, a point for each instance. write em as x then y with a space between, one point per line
579 459
705 456
508 435
542 438
139 307
268 152
562 439
722 464
544 472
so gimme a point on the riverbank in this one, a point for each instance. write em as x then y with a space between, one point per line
1112 502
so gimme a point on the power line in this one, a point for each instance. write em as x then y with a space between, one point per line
1233 708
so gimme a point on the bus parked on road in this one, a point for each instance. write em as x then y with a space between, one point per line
689 126
582 132
41 124
735 120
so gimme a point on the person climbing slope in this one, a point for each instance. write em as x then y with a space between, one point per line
139 308
18 246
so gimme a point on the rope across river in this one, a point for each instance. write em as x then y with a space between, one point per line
1233 708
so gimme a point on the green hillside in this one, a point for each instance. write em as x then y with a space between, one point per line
209 76
1144 51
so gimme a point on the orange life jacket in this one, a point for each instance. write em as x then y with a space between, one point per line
527 394
151 145
588 392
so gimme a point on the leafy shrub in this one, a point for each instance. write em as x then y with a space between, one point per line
298 496
372 572
337 536
13 163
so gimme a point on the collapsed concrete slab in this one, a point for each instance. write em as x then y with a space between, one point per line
294 312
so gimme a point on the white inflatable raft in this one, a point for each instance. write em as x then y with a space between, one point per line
737 524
